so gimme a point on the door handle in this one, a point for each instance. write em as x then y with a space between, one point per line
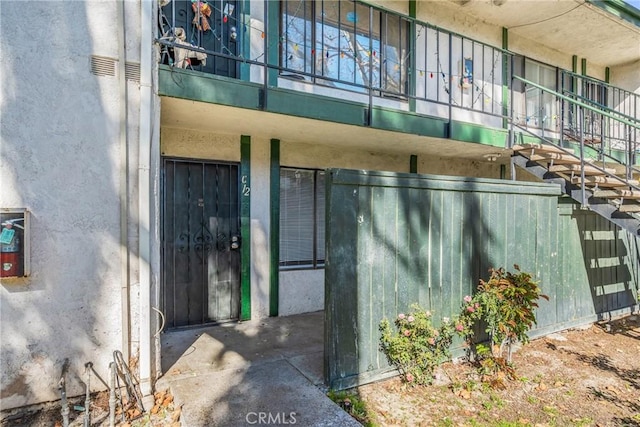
235 242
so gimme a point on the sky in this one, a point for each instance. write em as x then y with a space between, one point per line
634 3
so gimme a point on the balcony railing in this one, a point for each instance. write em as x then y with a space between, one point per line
386 59
382 57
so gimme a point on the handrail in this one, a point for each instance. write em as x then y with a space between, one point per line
602 106
576 102
594 165
585 104
595 80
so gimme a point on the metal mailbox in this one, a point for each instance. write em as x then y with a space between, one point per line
14 243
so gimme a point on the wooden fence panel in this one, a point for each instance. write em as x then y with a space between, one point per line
397 239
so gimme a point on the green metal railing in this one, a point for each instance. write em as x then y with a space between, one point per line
579 105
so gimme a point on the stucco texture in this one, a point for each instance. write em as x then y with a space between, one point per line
60 159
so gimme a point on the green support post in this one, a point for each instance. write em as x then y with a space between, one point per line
413 164
274 239
245 68
505 80
245 227
413 75
273 41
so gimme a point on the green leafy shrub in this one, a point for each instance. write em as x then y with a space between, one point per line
416 347
506 305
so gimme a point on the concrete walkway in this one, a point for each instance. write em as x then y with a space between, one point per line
266 372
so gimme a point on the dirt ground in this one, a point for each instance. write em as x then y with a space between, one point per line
587 377
163 413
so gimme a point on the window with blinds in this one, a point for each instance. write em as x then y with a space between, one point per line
302 202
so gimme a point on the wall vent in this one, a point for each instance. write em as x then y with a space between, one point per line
103 66
132 71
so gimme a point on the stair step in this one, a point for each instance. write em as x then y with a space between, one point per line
557 158
600 181
541 148
588 169
617 194
629 208
588 139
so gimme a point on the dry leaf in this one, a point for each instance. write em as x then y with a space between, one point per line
176 414
155 409
159 396
542 387
133 413
167 400
465 394
611 389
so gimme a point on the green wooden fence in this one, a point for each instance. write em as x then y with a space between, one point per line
396 239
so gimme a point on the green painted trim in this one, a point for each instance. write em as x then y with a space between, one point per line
301 104
413 75
407 122
274 230
201 87
273 41
245 227
583 66
413 164
574 69
620 9
505 80
469 132
607 75
245 32
192 85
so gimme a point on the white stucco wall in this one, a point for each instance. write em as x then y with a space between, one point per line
627 77
313 156
459 167
60 158
195 144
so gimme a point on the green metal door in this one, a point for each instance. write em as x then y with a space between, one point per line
201 242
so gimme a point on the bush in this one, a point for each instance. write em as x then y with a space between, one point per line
506 305
416 347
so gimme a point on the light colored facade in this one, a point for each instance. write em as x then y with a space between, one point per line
94 120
